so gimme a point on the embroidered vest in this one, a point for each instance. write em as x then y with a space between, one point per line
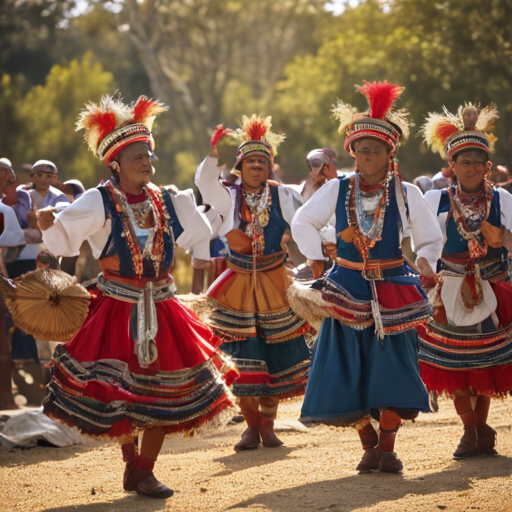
122 247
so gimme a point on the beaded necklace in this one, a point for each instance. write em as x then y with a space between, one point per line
469 211
255 210
154 246
366 232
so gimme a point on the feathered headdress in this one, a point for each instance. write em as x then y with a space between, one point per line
255 136
111 125
448 134
380 121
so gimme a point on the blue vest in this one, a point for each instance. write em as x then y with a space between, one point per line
118 245
455 243
274 230
387 248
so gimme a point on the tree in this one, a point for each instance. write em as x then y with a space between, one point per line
201 54
50 113
444 53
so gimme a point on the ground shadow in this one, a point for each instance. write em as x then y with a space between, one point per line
240 461
360 491
31 456
141 503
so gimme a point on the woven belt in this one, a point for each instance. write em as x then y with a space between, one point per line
372 269
248 264
143 320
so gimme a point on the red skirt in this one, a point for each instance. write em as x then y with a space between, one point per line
98 385
451 359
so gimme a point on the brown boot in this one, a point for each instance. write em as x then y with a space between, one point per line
486 440
250 440
369 440
389 424
130 456
390 463
485 434
268 436
467 445
369 462
251 436
143 481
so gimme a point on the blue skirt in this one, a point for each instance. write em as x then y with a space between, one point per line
353 373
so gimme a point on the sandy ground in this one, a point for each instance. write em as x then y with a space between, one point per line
313 472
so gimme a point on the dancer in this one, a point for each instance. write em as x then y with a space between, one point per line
466 351
251 312
141 361
365 360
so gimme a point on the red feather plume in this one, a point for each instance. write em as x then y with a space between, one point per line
380 96
256 127
444 129
103 122
145 108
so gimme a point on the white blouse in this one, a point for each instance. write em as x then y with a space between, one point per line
433 197
316 213
86 219
12 235
223 200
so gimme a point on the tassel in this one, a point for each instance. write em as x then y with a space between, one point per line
379 327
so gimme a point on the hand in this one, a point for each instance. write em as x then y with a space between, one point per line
329 250
329 171
32 218
425 268
317 267
45 219
218 135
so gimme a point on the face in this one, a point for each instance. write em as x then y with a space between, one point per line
135 165
316 167
470 168
42 180
372 157
255 171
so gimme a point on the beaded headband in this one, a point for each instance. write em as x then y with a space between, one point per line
112 125
256 137
449 134
379 122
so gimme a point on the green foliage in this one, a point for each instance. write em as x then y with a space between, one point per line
444 53
50 113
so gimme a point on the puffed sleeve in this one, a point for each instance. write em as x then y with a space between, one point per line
213 192
79 221
506 208
195 228
312 217
12 234
433 198
427 237
290 202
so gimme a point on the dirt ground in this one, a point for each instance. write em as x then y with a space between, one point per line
314 471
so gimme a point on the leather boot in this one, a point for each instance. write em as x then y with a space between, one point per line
370 461
143 481
467 445
486 436
369 440
389 424
268 436
388 462
130 456
251 436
